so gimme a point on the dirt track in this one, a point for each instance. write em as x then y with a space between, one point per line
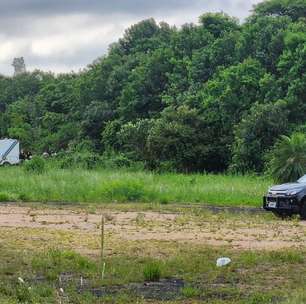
241 232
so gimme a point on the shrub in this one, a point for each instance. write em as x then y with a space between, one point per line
288 158
85 160
152 272
113 160
36 165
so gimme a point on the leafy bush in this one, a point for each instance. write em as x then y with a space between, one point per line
36 165
152 272
85 160
113 160
166 167
288 159
92 160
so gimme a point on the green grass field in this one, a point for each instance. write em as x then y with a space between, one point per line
105 186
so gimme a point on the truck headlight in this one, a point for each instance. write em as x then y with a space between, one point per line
292 192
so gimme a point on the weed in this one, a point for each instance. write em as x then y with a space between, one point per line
190 292
96 186
141 219
24 294
36 165
260 298
108 217
23 197
55 262
297 298
152 272
286 256
250 258
130 191
4 197
253 273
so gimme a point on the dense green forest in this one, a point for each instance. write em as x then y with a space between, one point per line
211 96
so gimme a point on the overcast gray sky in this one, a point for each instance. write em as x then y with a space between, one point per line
65 35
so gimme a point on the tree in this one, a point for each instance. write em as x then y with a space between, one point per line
58 95
223 101
137 37
292 65
263 39
256 134
177 141
21 122
295 9
95 118
220 54
218 23
199 97
188 39
141 97
288 158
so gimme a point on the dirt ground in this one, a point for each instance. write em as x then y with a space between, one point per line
239 231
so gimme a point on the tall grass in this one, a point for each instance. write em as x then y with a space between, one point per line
152 271
103 186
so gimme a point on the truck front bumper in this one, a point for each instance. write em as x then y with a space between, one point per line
281 203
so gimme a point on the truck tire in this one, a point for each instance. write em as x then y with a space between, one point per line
303 210
282 214
277 213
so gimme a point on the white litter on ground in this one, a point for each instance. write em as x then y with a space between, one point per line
20 280
223 262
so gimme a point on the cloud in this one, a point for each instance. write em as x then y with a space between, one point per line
65 35
101 7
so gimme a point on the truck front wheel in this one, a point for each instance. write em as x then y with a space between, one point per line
282 214
303 210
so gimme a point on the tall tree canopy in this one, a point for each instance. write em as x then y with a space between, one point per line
207 96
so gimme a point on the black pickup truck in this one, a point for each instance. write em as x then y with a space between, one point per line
287 199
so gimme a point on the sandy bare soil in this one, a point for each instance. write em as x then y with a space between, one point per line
241 232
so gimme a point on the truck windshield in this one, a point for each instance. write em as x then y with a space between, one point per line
302 180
